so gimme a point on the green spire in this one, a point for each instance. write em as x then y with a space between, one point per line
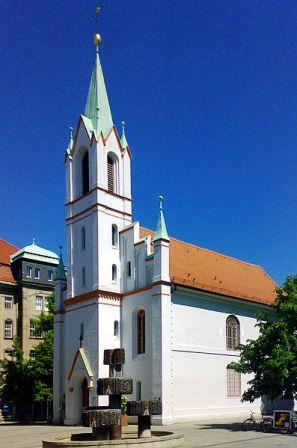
161 232
97 111
60 274
124 142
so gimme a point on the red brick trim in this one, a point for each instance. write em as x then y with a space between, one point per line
92 294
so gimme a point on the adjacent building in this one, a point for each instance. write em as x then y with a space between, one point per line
26 281
178 310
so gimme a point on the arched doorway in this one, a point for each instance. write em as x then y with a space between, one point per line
84 399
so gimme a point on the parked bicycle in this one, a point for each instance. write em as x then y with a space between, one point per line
265 424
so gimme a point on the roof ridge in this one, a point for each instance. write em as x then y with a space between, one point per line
212 251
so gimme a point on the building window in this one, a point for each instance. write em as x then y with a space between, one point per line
114 235
32 330
8 333
83 276
233 383
8 303
50 275
112 173
114 273
45 304
140 331
85 173
129 269
33 333
83 238
116 328
38 303
232 333
29 271
32 354
37 273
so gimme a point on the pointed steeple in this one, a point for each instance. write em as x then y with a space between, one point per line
124 142
97 116
60 274
161 231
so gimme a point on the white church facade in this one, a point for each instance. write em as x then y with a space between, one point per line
178 310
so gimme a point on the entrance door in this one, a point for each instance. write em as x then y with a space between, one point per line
84 400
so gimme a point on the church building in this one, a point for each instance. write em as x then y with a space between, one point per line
178 310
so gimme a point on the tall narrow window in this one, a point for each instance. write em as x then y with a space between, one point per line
29 272
116 328
232 333
83 238
129 270
38 303
140 331
8 303
45 304
85 173
114 235
8 333
233 383
110 174
37 273
50 276
83 276
114 273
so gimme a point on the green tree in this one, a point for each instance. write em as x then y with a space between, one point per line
42 364
272 358
16 381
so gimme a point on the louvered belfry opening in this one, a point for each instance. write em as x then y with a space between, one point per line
110 174
85 173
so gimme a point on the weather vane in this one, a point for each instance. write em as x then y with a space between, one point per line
97 37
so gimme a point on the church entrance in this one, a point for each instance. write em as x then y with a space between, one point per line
84 398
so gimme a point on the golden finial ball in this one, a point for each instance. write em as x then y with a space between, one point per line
97 39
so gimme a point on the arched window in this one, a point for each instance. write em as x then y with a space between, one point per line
112 173
8 330
85 173
114 273
114 235
83 238
140 317
232 333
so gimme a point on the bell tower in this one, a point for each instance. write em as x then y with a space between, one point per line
98 193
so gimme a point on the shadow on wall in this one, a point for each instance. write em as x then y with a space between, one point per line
268 406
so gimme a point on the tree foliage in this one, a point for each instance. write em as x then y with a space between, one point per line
272 358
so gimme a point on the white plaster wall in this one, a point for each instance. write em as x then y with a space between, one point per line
200 356
84 257
139 367
87 314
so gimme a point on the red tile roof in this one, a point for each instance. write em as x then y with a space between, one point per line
210 271
6 250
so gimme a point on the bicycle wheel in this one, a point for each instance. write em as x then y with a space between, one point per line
248 425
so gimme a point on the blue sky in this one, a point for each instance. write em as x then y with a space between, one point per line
208 89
